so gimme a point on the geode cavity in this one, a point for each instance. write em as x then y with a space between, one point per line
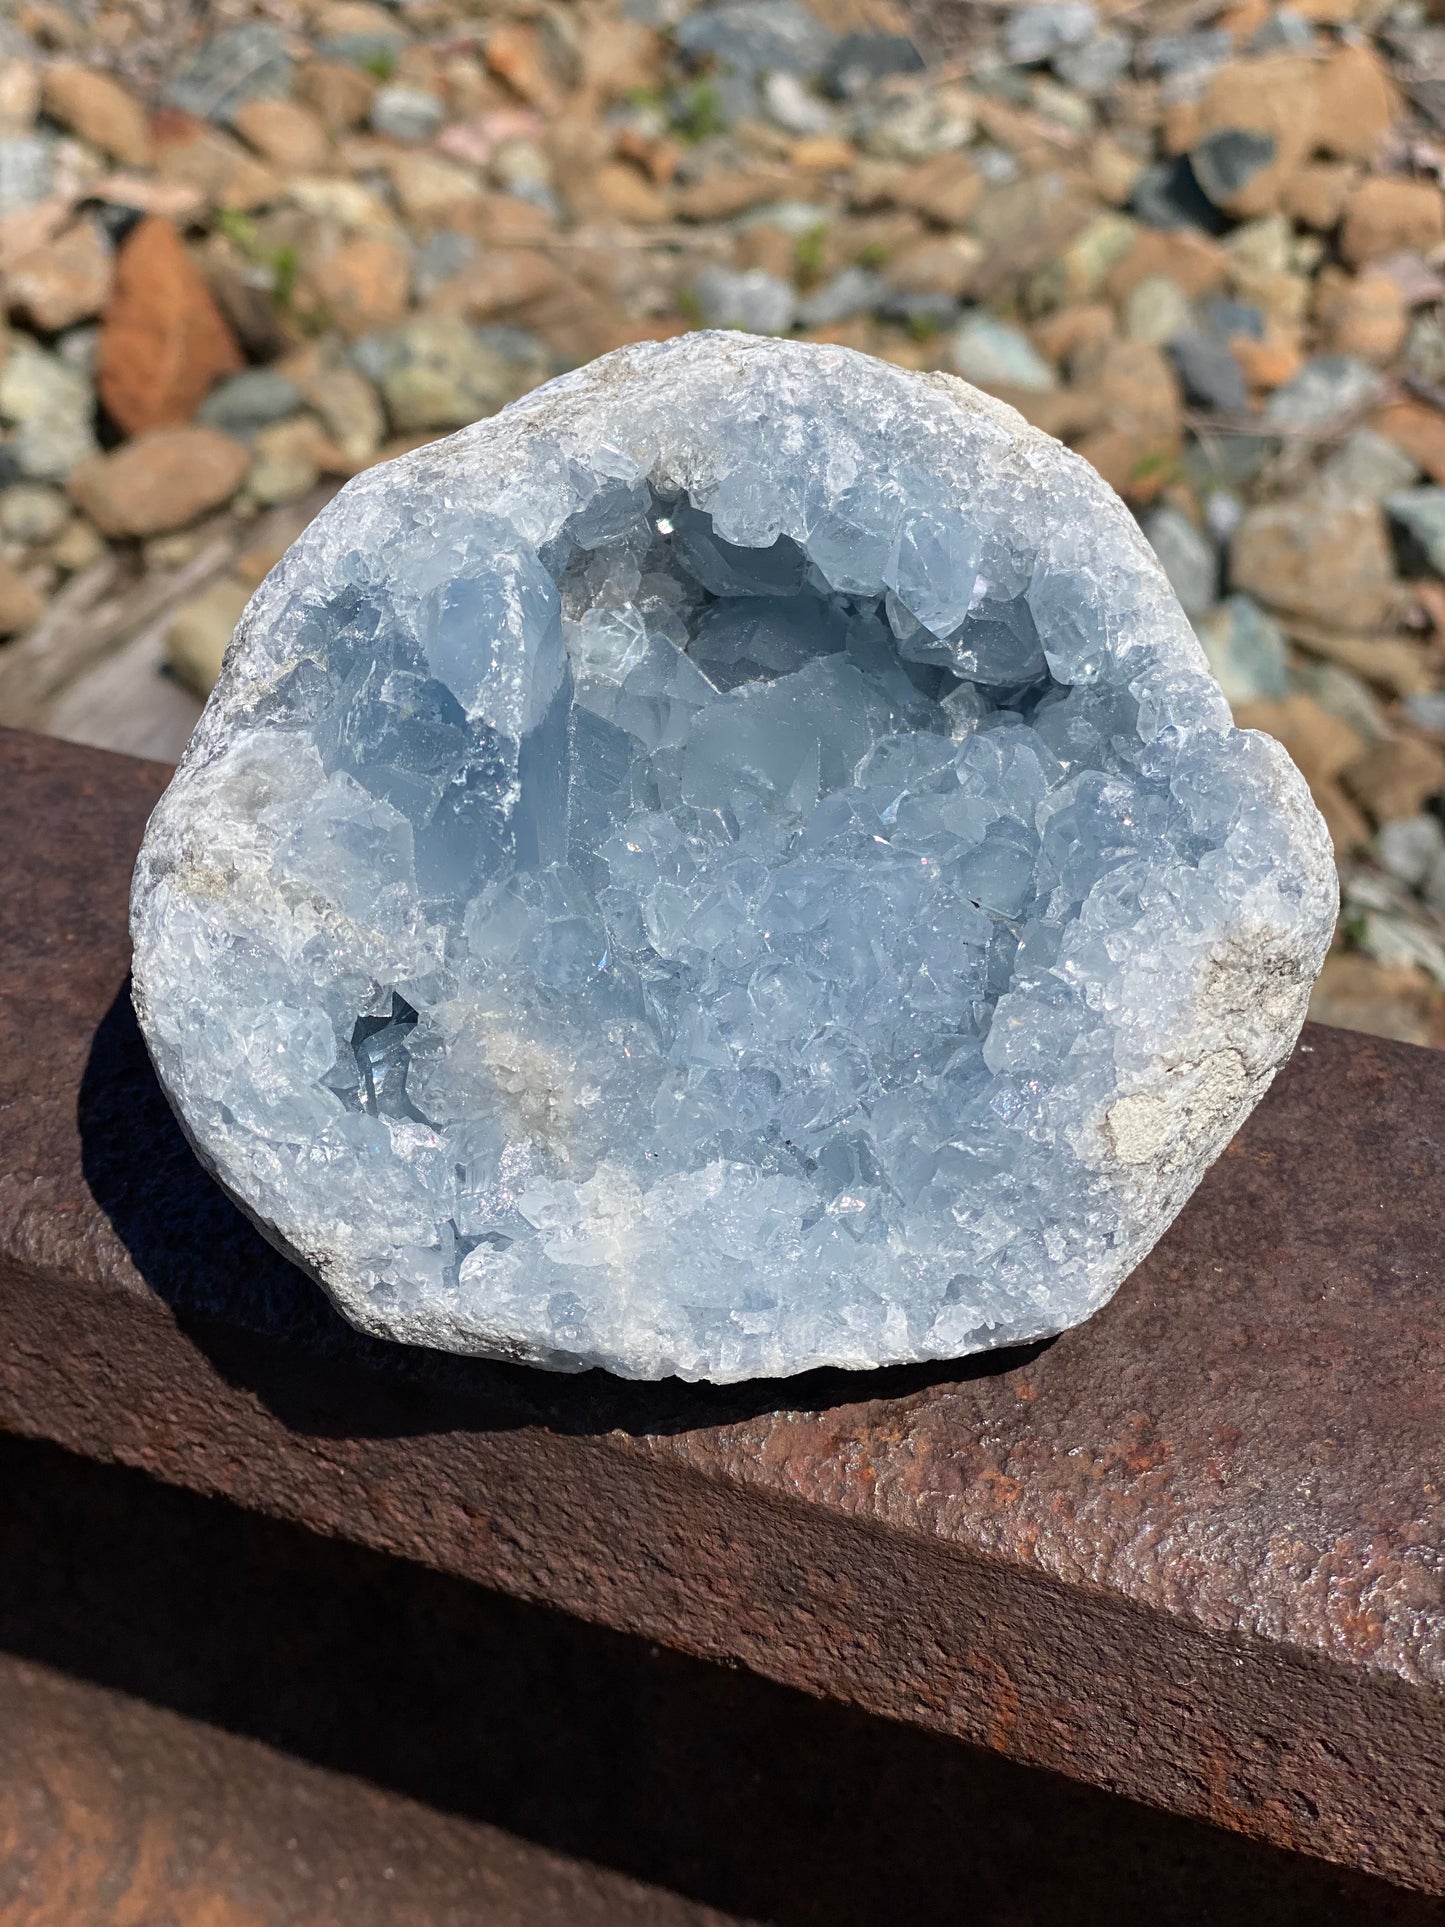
735 864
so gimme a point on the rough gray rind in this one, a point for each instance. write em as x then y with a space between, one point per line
1200 1018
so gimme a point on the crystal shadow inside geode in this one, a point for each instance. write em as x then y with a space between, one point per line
733 865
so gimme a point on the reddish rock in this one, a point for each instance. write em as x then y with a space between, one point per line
161 481
1362 316
1419 430
286 134
163 343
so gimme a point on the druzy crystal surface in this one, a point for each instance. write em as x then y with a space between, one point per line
735 864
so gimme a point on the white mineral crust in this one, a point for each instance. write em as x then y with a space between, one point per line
735 864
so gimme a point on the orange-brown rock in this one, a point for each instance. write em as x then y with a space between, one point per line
161 481
163 342
1357 101
1270 362
1133 393
290 136
1315 195
945 189
619 57
65 281
503 282
192 154
1397 778
364 285
1113 170
98 110
936 264
762 245
1357 993
1360 315
1078 330
1195 264
1386 216
822 154
1419 430
1273 94
717 196
20 603
514 54
626 194
1323 557
342 95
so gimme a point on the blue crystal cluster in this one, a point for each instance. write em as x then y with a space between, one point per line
735 864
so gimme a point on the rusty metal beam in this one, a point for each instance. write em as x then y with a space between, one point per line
1190 1553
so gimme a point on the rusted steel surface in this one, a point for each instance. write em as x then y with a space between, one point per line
211 1717
1191 1552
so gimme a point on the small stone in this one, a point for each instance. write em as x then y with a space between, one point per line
1033 34
861 59
1326 389
1419 431
1136 445
791 106
364 284
1168 197
1361 315
1385 216
1369 466
410 114
1357 993
160 481
350 411
1410 846
994 355
1226 162
1315 195
1113 170
854 291
242 63
1357 103
1197 53
427 187
592 941
99 110
21 606
1193 262
945 189
1317 556
1094 65
66 281
27 168
437 373
250 400
284 462
1421 512
515 54
1209 370
212 165
341 95
1155 311
30 513
915 126
757 37
164 343
622 191
1246 651
287 134
50 407
1395 779
1186 556
19 93
757 302
937 265
200 632
79 546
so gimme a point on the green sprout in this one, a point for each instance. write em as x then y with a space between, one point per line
810 251
380 63
697 114
872 256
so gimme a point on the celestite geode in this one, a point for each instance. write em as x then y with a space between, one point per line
735 864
